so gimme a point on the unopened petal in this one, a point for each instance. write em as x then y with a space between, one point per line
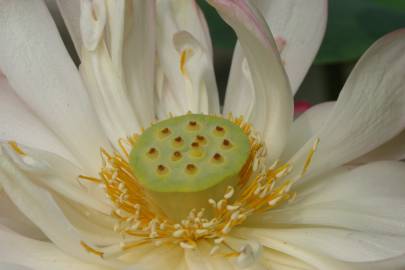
187 80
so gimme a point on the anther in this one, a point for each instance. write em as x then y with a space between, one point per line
152 153
219 131
191 169
226 144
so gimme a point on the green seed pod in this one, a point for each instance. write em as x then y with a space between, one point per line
189 153
183 161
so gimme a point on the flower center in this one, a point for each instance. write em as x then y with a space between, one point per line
183 161
190 178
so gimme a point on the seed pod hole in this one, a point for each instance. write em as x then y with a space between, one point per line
195 145
217 158
219 131
164 132
176 156
178 141
226 144
191 169
193 125
201 139
161 169
152 153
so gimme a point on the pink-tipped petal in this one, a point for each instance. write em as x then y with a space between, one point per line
272 105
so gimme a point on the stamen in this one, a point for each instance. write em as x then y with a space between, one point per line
91 250
16 148
140 220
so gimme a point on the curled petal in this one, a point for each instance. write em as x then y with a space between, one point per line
273 104
93 17
186 80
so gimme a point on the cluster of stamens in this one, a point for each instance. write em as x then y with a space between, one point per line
141 221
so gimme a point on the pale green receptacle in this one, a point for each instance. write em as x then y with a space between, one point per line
189 154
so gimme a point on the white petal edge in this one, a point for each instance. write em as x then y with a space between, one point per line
353 215
45 78
25 253
394 149
305 126
9 266
118 64
139 59
18 124
273 104
70 11
370 109
41 208
84 204
301 27
12 218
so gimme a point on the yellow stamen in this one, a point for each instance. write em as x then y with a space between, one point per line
141 221
91 250
17 148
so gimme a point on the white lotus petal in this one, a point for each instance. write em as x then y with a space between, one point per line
394 149
44 76
70 11
316 260
273 107
41 208
17 123
163 257
305 126
185 60
36 255
93 18
119 68
56 174
370 109
12 218
300 26
352 215
9 266
139 59
108 93
281 261
200 259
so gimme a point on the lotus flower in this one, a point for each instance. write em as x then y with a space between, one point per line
129 163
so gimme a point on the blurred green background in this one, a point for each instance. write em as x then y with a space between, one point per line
353 25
